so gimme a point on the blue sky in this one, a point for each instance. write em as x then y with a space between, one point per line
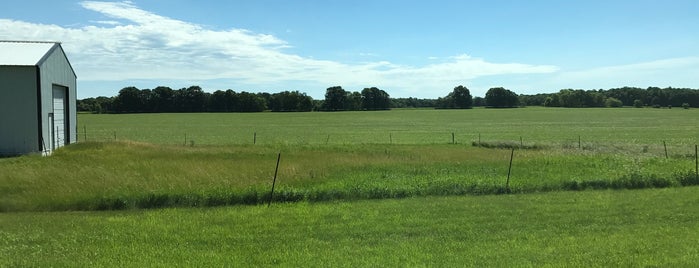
407 48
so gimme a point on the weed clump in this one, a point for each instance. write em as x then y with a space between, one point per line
508 145
634 180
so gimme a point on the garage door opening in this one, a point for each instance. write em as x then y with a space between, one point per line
58 124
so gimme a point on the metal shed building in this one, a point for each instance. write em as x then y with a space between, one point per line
37 98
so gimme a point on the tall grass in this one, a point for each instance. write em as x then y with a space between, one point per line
122 175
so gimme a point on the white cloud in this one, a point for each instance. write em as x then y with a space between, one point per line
107 22
675 72
137 44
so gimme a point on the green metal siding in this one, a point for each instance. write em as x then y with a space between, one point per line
56 70
18 110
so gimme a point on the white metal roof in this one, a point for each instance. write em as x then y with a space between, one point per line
22 53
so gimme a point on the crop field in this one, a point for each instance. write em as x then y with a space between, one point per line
404 187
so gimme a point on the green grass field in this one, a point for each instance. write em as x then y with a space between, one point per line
640 228
98 176
421 126
365 188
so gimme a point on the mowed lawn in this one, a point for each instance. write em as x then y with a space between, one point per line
639 228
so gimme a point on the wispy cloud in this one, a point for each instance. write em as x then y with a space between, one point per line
665 72
107 22
138 44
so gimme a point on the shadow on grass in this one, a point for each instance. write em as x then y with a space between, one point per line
285 195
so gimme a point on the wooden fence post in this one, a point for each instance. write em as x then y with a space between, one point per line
274 181
579 143
509 171
696 162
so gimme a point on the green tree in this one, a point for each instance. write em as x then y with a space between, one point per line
478 101
191 99
162 99
250 102
613 103
354 101
129 100
87 105
335 99
552 101
501 98
290 101
106 104
218 102
461 98
375 99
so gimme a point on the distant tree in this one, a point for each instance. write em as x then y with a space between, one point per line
628 95
478 102
218 102
129 100
533 100
106 104
162 99
250 102
191 99
335 99
613 103
318 105
571 98
266 97
290 101
552 101
146 97
87 105
232 100
354 101
596 99
304 102
375 99
501 98
412 102
459 98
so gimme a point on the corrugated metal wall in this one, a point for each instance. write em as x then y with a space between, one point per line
18 110
56 71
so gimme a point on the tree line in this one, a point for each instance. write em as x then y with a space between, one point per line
616 97
194 99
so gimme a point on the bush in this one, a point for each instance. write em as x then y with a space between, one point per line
685 105
638 103
613 103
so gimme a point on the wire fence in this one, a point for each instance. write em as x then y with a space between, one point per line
683 147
